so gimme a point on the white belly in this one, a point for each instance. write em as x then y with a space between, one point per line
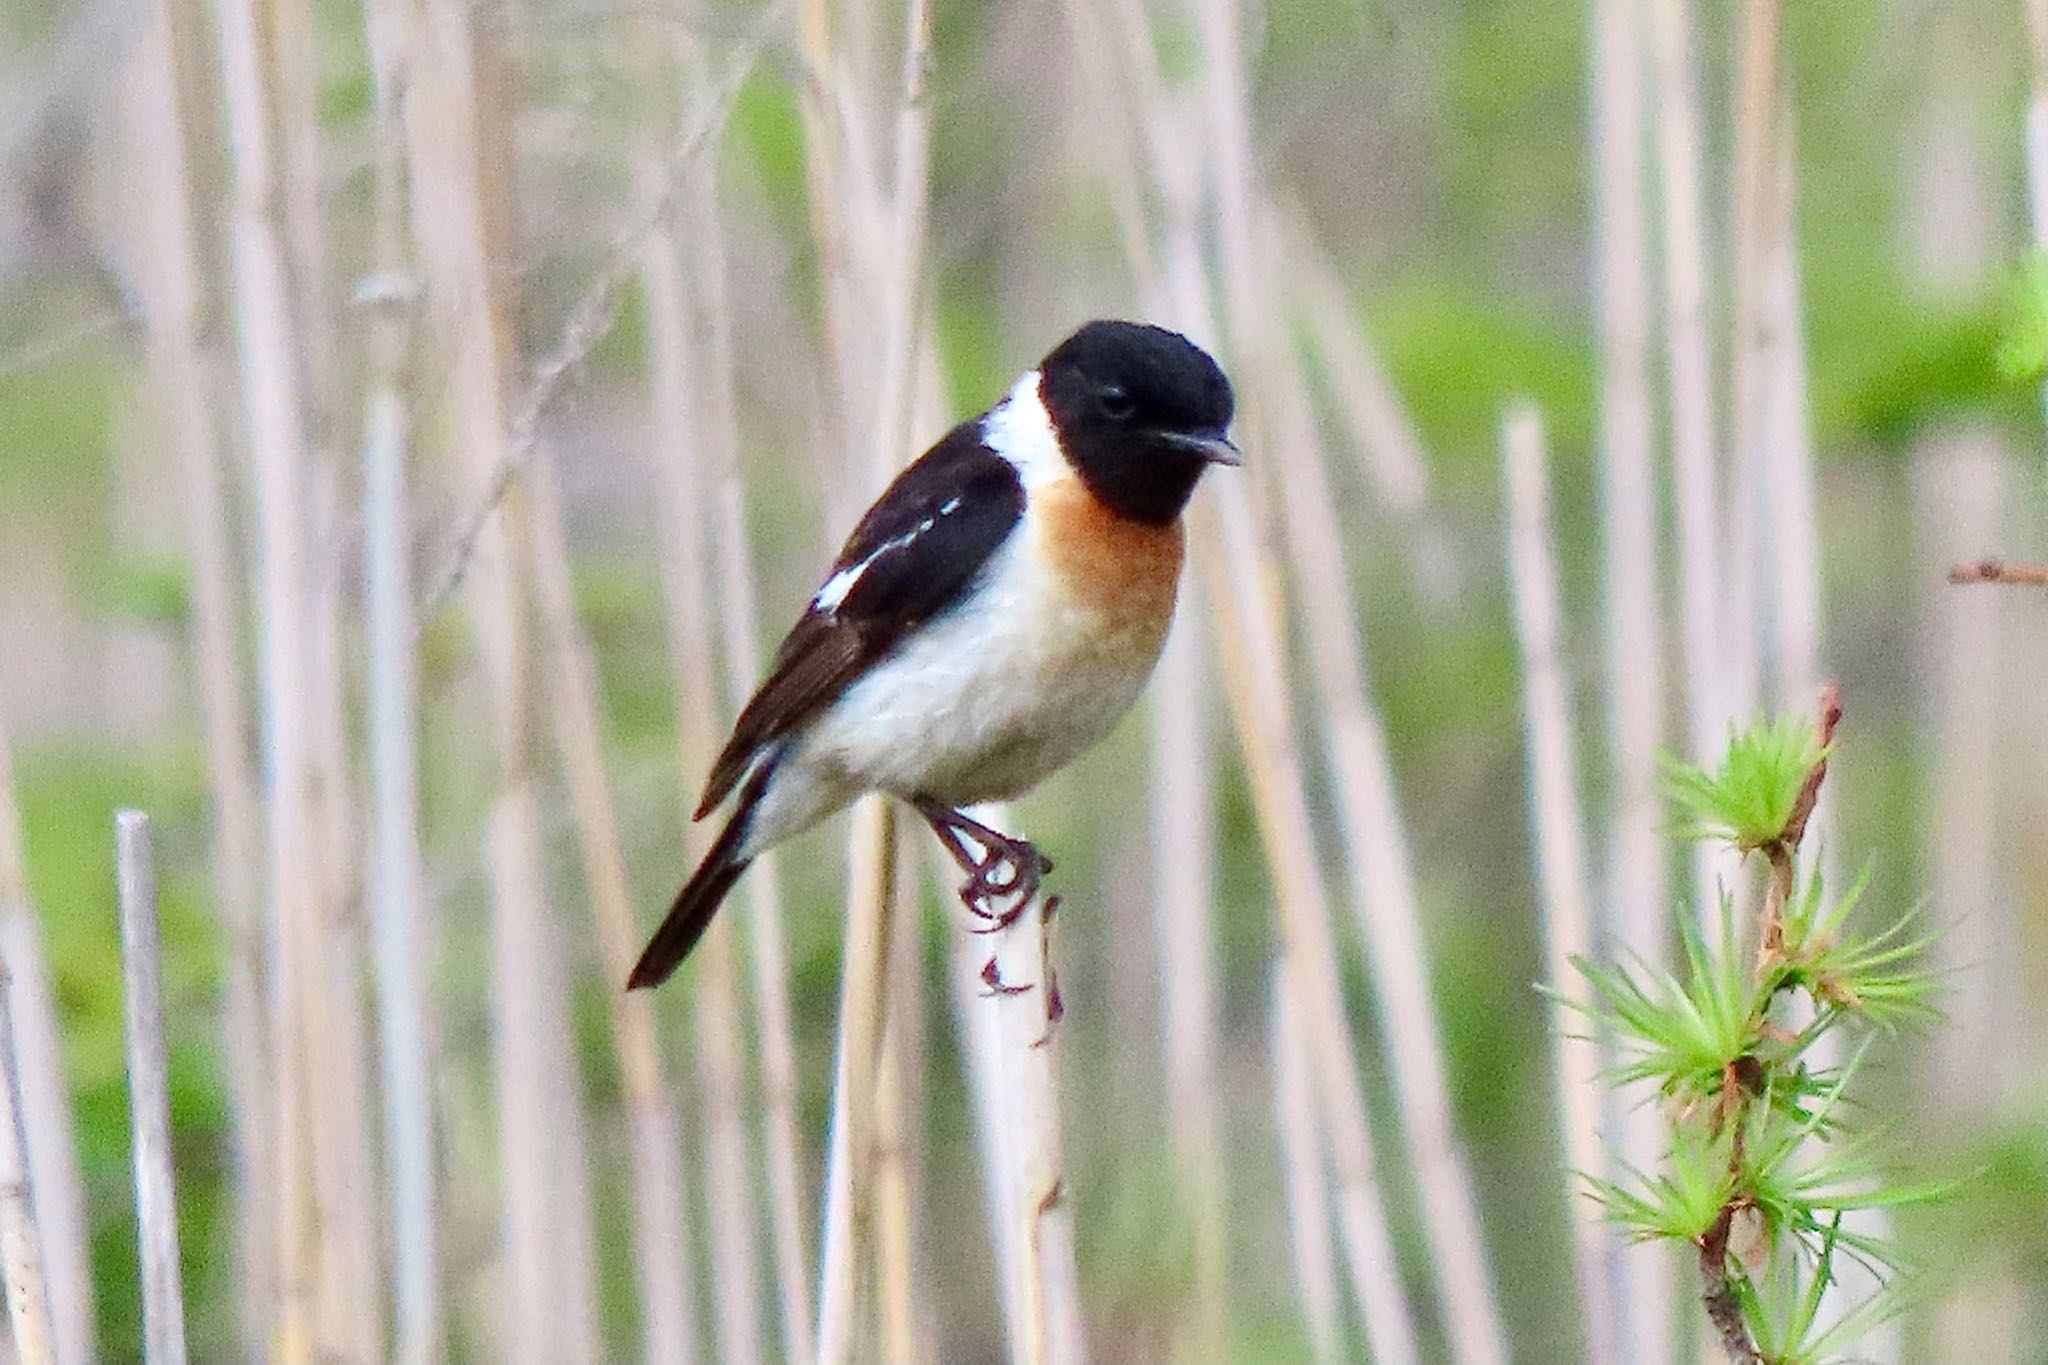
993 697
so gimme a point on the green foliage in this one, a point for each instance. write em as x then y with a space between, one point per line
1763 1167
2023 354
1747 801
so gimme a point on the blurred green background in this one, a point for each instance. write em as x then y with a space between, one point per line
1440 150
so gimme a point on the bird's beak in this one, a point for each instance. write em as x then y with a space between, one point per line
1214 446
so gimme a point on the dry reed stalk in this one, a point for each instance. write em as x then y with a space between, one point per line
1381 432
901 1317
680 427
398 886
980 1048
172 294
767 938
871 873
337 1039
1248 634
1380 876
1689 370
1183 832
292 43
31 1333
1794 602
43 1244
1558 833
1959 487
273 406
2037 131
1471 1310
1752 346
459 205
149 1085
1304 1176
1638 883
660 1204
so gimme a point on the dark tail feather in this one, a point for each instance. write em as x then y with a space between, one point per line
701 896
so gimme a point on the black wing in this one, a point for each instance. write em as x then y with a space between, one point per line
914 554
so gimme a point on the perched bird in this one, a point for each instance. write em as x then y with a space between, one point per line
992 615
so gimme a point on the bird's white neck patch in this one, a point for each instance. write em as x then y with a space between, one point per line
1020 430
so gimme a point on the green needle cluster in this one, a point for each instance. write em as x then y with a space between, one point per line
1763 1169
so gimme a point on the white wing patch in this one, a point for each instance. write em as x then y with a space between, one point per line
839 585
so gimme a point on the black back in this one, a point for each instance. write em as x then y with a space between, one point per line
1117 391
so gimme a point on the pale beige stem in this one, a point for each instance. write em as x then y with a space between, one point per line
273 407
1557 829
1305 1177
1636 897
459 211
1379 870
871 873
1689 367
1249 636
1183 833
22 1275
149 1092
660 1205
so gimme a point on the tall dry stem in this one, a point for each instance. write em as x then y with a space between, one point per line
1689 371
1637 889
397 890
273 407
45 1168
1305 1176
1558 834
1378 865
149 1092
459 207
659 1209
22 1275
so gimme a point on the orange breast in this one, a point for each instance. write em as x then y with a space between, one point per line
1126 572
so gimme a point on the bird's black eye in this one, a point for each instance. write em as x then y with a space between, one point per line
1116 402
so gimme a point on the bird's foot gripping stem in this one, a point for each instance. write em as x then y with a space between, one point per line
999 867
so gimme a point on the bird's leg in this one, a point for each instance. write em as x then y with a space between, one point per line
1004 867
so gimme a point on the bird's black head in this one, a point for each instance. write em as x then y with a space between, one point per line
1140 412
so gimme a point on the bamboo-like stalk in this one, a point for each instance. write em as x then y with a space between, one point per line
1183 832
181 378
1045 1284
22 1275
1752 346
1635 899
2037 132
1376 420
1689 366
46 1166
337 1038
1471 1311
1249 637
871 873
458 204
766 935
149 1099
1380 878
398 886
681 435
1558 834
273 407
1305 1178
901 1319
660 1205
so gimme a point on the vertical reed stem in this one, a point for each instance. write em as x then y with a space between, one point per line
1637 892
22 1275
1558 833
149 1091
